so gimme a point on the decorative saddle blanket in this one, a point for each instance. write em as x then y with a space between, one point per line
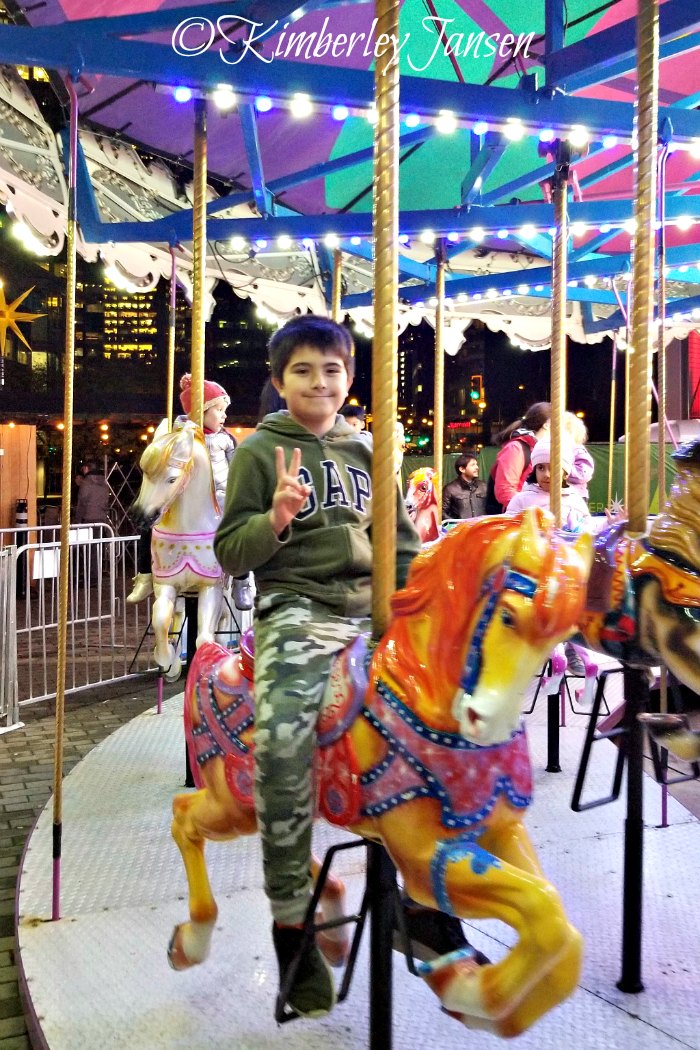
173 552
226 709
467 780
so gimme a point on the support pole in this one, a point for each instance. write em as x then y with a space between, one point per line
639 420
64 571
439 390
336 291
199 248
385 220
558 363
170 379
613 402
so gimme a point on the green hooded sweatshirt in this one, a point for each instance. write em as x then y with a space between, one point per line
326 552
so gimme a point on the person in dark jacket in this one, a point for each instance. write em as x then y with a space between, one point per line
94 496
465 497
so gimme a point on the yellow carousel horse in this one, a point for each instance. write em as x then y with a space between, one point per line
177 499
421 749
422 503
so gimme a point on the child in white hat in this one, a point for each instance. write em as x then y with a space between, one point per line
575 514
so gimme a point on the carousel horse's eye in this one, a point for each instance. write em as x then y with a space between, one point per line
507 618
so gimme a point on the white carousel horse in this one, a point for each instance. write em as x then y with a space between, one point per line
177 499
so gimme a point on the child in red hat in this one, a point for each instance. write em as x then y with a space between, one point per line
220 446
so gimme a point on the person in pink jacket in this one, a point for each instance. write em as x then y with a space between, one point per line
512 464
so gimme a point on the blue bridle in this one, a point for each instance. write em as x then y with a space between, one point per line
503 579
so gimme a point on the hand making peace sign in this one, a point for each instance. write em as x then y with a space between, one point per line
290 493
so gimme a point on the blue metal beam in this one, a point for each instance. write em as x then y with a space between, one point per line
529 178
249 128
318 171
540 278
613 51
68 47
491 149
408 268
359 224
554 30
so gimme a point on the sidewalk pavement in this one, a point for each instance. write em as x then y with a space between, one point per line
26 783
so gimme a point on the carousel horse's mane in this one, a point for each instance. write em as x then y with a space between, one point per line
445 585
162 451
676 530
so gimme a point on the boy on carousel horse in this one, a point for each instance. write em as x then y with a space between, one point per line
299 515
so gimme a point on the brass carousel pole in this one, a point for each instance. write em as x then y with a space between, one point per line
199 248
661 414
613 400
385 346
172 316
337 289
638 443
381 874
439 391
64 571
558 360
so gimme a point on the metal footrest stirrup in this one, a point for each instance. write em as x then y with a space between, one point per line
660 755
311 928
593 734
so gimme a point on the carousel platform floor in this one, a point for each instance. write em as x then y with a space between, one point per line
99 978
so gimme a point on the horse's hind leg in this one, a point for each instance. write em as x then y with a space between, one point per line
208 612
213 814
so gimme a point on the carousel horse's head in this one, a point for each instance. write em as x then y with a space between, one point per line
481 612
166 465
421 492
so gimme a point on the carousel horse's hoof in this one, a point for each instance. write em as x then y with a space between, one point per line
142 587
180 958
312 989
174 671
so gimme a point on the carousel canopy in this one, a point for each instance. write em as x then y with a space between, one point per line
488 90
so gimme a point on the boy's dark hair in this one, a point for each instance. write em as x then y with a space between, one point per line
310 330
462 460
352 412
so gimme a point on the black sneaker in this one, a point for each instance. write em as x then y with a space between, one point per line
311 992
574 664
432 933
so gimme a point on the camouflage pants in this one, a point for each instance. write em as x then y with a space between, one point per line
295 641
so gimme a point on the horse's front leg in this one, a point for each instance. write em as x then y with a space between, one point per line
211 813
463 877
161 618
208 612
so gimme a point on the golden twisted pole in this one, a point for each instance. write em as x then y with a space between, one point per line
558 359
64 570
640 350
385 221
337 287
660 341
439 388
199 249
172 318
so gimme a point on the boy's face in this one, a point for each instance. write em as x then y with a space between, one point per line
215 415
314 385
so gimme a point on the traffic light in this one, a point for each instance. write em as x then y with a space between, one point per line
476 388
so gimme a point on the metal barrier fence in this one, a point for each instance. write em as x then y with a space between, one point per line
9 706
108 639
105 634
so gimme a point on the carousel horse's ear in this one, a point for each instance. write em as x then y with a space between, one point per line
161 430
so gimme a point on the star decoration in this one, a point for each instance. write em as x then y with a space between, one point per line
10 316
